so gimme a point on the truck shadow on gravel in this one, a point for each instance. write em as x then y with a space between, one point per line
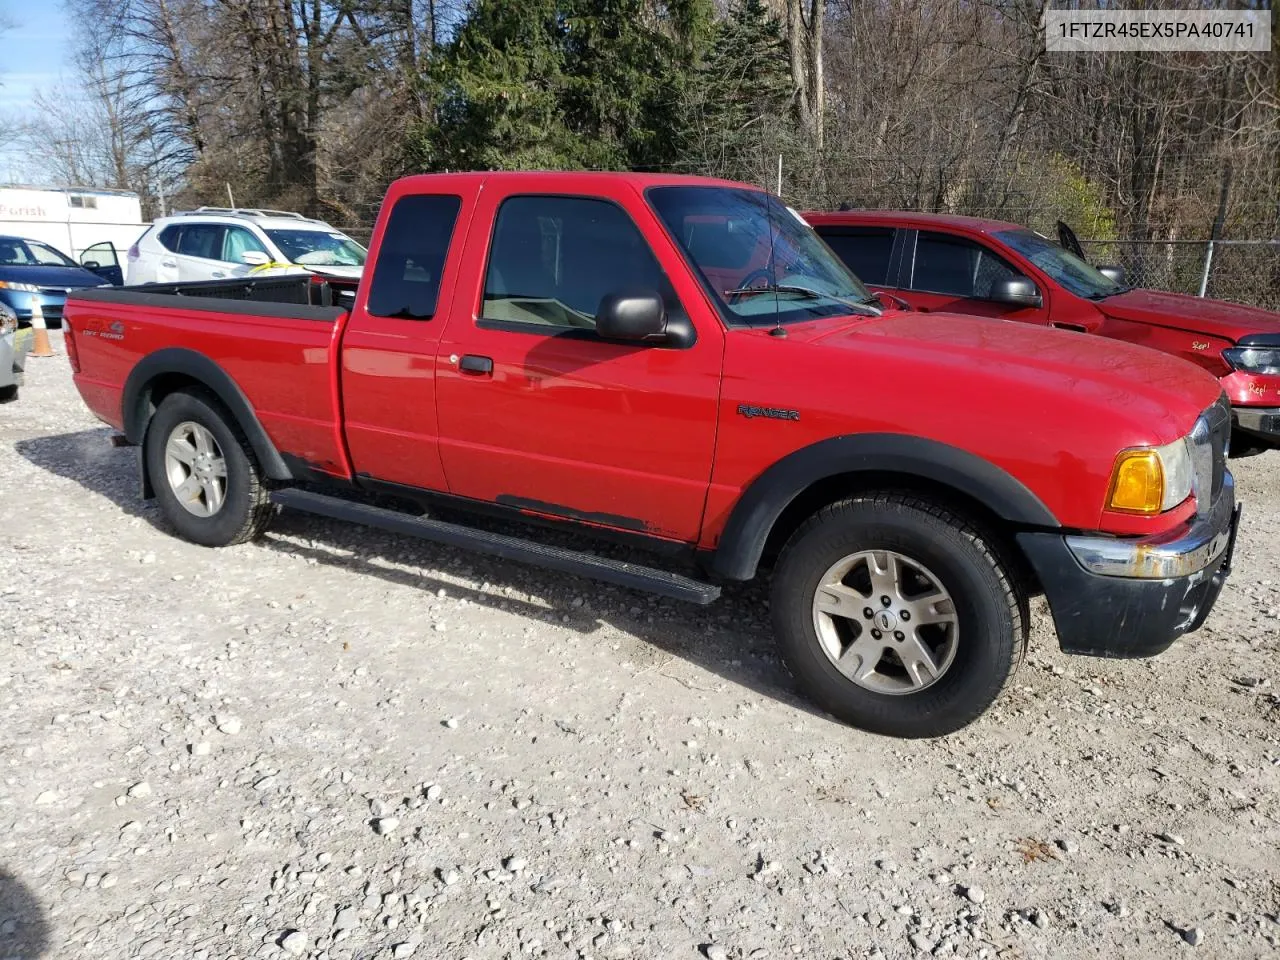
24 930
730 638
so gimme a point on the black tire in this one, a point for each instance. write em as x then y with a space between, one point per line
9 393
991 612
246 508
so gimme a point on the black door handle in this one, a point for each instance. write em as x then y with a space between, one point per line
473 364
1070 326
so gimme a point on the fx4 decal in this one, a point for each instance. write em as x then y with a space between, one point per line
106 330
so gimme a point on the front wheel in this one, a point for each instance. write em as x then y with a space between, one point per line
897 616
9 393
204 471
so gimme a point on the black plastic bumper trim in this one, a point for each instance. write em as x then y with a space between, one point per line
1120 617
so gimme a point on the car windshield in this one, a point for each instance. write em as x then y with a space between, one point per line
1077 276
319 248
31 253
760 262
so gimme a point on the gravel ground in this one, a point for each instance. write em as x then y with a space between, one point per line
335 743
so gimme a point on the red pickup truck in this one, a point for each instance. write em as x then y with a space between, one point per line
937 262
682 364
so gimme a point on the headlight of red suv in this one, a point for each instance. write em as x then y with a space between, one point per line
1265 360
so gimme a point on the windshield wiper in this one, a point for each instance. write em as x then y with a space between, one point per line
1110 293
859 307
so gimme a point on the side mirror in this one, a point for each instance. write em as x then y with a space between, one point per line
633 315
1113 273
255 258
1016 292
91 265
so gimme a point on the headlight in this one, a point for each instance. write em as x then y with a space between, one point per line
24 287
1254 359
1150 480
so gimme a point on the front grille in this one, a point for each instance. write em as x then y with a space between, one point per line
1219 418
1209 440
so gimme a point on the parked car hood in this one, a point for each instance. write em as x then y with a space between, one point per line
1217 318
69 277
342 272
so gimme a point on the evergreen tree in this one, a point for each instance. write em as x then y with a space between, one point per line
629 64
738 101
563 84
499 88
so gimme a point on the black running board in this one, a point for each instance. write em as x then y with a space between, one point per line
631 575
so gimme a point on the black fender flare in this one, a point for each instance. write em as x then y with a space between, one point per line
137 408
742 543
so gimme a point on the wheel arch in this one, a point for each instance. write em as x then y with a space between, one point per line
175 368
794 488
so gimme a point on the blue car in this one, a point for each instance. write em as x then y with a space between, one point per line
33 272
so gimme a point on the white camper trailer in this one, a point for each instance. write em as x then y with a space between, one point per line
72 219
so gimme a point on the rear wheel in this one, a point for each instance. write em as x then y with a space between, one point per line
204 472
897 616
9 393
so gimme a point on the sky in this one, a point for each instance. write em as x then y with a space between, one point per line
34 44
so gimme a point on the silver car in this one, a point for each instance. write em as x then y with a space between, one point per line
14 344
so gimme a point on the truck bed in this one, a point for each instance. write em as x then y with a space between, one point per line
251 330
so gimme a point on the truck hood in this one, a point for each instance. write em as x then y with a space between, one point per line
1229 321
63 277
1152 387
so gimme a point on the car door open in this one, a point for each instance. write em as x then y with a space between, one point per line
102 259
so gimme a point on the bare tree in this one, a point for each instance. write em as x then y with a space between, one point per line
804 20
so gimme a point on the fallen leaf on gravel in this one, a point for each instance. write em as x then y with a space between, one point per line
693 802
1032 850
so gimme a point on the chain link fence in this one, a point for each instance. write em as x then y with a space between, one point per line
1243 271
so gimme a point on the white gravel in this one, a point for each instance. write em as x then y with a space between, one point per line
194 740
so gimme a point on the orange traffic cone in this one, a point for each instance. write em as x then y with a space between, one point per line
40 347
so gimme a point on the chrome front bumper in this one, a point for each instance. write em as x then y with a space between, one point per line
1260 420
1179 553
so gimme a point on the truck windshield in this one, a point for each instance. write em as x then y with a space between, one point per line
319 248
760 262
1062 266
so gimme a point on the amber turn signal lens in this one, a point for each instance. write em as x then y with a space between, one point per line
1137 482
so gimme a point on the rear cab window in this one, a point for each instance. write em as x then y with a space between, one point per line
411 258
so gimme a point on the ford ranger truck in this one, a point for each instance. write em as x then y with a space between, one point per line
683 365
952 264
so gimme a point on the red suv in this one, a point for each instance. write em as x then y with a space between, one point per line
942 263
